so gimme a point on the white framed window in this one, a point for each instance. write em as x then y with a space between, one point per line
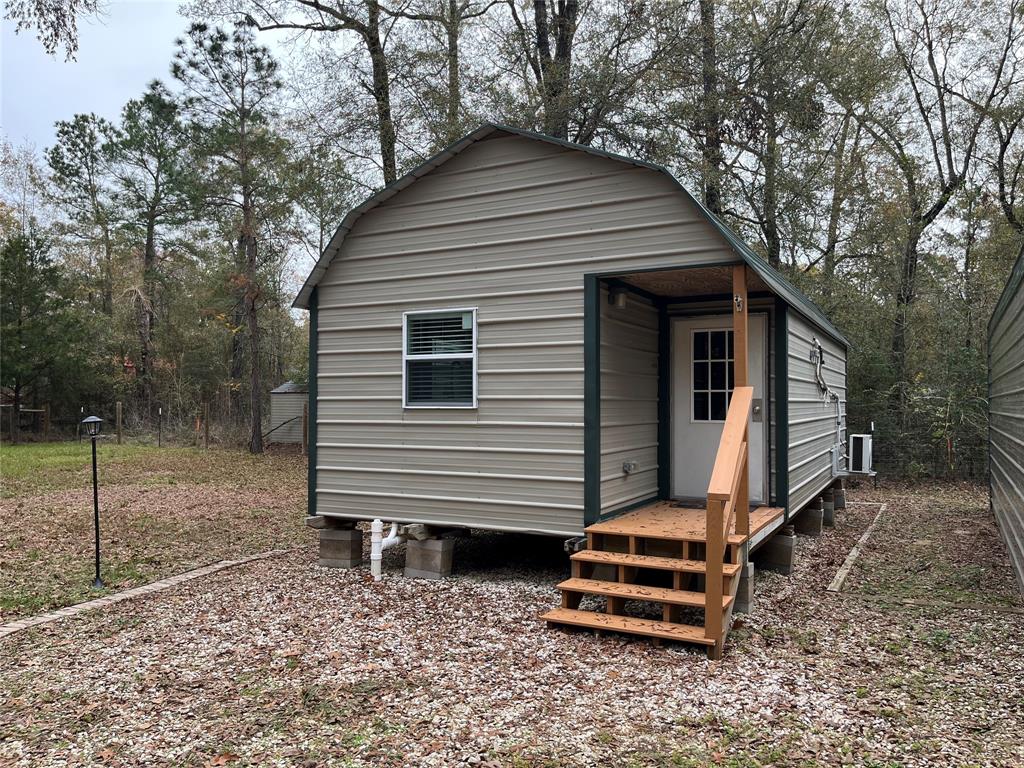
439 359
713 370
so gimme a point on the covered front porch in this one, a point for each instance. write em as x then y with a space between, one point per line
679 468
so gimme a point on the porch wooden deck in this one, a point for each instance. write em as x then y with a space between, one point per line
674 521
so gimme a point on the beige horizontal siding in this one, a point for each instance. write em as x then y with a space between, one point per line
509 226
629 401
1006 425
285 406
812 420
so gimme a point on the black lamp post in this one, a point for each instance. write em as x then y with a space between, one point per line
92 427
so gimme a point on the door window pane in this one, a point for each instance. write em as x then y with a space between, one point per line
700 406
700 375
718 406
700 345
713 374
718 345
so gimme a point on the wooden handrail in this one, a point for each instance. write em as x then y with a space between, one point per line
728 494
729 446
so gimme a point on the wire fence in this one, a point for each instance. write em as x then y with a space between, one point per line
205 425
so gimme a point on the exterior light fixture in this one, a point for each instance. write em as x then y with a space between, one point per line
93 424
617 297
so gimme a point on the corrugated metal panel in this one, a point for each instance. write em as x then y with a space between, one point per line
629 402
509 226
1006 416
530 175
812 419
286 407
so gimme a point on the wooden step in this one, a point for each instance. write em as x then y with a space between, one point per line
649 561
639 592
662 630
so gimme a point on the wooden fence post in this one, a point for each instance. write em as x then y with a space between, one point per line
206 426
118 422
305 427
46 423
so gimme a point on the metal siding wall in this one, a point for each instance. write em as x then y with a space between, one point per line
284 406
1006 424
509 226
629 401
811 419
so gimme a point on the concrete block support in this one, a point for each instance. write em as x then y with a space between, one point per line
810 520
429 559
745 591
828 508
839 494
778 554
341 547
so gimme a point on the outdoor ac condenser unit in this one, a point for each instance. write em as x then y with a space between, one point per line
860 455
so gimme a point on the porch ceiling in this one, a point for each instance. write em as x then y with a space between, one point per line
693 281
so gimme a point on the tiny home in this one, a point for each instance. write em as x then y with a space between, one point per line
287 404
524 334
1006 415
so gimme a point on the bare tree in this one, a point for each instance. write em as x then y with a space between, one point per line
365 19
55 21
450 18
929 121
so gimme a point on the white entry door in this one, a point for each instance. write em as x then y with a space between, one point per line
702 382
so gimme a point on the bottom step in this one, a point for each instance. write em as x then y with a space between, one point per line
663 630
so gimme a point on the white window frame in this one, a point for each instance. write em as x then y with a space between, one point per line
406 357
693 389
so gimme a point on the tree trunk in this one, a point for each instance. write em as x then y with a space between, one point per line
107 278
556 69
772 240
145 316
16 415
454 106
381 92
711 119
905 296
251 296
835 210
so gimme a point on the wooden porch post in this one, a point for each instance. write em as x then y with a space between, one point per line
740 363
739 324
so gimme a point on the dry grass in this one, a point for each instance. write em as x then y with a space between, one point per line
284 663
163 511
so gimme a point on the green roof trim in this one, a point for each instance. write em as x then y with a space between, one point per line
775 281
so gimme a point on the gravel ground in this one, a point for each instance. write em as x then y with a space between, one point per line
285 663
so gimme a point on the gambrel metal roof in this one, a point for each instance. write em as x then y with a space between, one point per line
772 278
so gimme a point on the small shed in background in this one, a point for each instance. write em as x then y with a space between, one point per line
1006 415
286 408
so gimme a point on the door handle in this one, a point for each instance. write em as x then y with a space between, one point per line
756 409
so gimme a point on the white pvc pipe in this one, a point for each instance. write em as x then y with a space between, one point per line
378 544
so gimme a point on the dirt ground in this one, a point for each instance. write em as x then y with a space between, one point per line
281 662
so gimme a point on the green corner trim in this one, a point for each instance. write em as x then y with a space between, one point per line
782 405
591 399
311 417
664 402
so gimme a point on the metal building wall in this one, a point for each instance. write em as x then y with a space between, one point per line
811 418
1006 416
510 226
629 402
285 406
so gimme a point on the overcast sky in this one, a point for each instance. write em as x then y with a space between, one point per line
118 55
